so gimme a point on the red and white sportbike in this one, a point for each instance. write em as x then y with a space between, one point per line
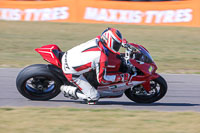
43 81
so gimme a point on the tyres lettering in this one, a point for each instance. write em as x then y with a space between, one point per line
45 14
137 16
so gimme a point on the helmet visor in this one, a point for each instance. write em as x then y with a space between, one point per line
116 46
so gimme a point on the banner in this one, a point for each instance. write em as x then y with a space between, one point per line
184 13
59 11
180 13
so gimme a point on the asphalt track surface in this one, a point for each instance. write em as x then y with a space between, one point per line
183 95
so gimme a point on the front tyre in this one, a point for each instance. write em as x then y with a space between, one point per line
36 82
139 95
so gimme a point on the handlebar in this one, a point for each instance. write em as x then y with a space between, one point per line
128 47
129 50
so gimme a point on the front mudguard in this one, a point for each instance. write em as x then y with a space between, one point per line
146 84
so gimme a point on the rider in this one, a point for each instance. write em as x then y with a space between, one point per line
92 55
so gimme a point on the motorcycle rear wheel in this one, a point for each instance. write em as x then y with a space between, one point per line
158 85
36 82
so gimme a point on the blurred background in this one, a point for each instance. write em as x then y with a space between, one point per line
169 29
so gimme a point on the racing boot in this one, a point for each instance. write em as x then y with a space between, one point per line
69 91
72 92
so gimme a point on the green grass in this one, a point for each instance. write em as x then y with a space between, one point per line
70 120
174 49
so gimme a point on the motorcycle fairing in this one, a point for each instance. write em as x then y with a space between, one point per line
116 89
148 70
51 53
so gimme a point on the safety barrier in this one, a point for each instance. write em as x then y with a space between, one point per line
181 13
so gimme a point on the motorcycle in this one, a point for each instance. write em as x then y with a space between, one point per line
43 81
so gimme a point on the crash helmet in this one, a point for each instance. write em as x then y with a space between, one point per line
111 38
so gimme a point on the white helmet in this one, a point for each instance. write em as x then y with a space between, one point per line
112 39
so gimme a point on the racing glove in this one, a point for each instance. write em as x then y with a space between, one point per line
122 77
124 42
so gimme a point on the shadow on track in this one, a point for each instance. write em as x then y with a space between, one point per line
129 103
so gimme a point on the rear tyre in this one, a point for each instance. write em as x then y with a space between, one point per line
36 82
139 95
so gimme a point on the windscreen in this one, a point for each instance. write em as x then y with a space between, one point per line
143 56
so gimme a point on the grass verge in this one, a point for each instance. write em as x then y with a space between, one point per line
174 49
70 120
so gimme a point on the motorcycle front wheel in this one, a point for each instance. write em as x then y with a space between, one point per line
36 82
139 95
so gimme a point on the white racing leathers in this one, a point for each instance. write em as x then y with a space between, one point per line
84 58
